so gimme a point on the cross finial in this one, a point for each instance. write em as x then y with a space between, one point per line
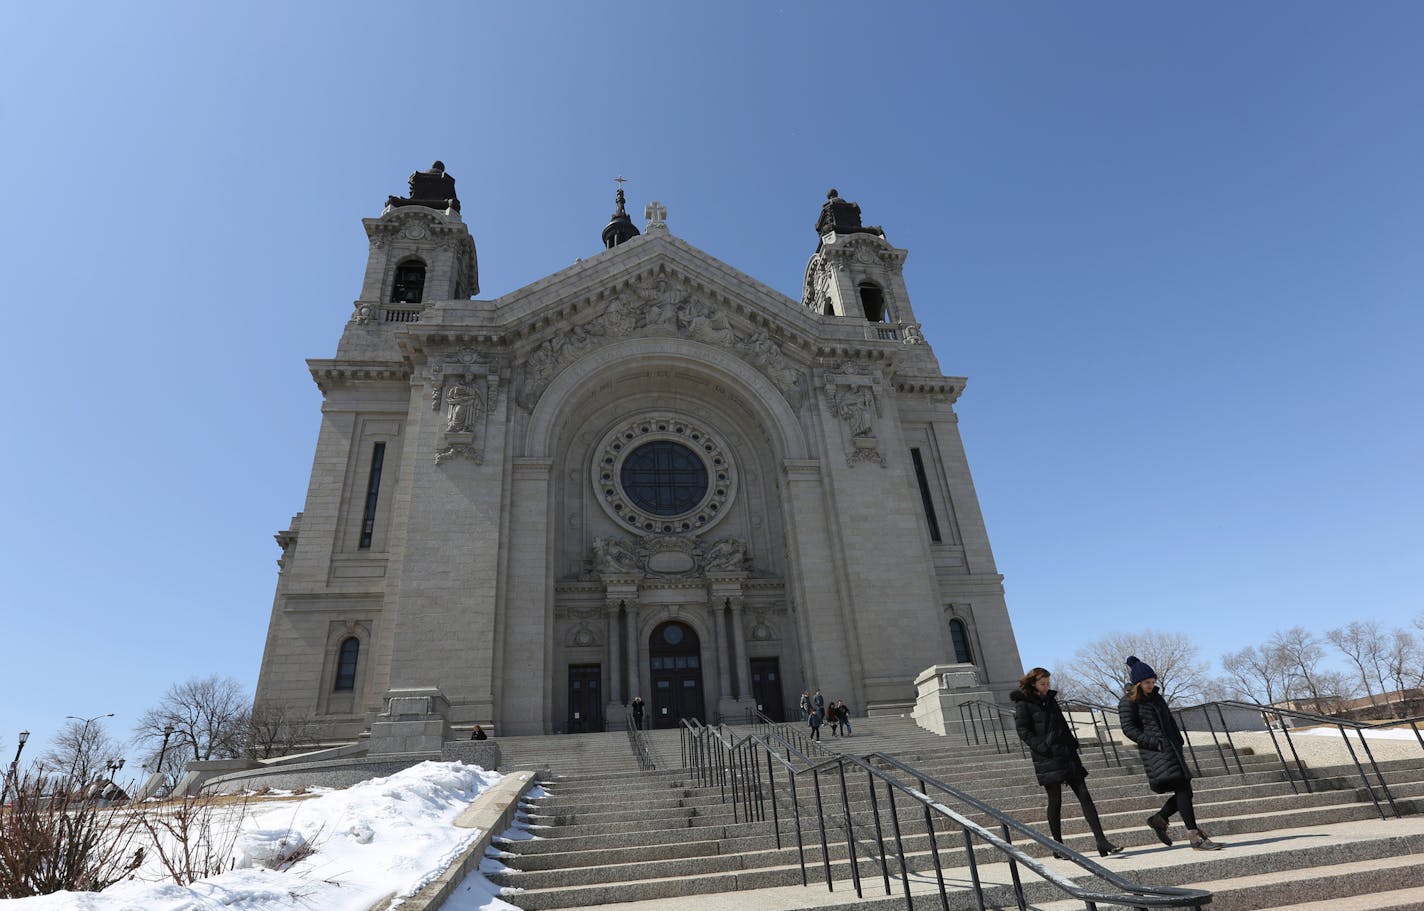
620 180
655 212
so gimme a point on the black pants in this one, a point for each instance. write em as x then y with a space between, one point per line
1181 800
1090 812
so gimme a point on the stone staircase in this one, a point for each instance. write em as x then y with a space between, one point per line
580 755
610 837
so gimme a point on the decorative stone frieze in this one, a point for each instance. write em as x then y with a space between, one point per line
668 556
661 307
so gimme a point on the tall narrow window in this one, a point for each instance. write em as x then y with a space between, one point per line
346 665
872 299
960 637
373 490
409 287
925 494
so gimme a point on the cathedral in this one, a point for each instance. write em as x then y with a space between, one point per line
647 474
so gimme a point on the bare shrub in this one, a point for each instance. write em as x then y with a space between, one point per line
57 838
192 843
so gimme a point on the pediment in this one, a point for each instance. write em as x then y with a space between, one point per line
658 286
652 265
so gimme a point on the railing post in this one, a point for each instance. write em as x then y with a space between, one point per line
973 872
796 813
879 829
899 844
1186 735
1226 729
1305 779
1013 868
1206 716
1102 747
1365 779
821 820
1285 766
775 809
934 847
1384 785
850 832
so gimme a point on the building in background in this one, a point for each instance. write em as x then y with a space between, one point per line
646 474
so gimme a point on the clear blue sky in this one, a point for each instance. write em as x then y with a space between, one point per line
1176 249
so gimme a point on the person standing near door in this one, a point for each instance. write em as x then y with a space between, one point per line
637 706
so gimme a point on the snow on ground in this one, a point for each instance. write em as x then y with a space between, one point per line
1375 734
381 838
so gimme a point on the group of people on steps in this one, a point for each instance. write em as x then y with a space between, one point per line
1146 720
817 711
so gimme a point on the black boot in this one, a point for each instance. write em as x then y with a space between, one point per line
1107 848
1159 828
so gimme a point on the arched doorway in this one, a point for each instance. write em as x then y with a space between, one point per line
675 671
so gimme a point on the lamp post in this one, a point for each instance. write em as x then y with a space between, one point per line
12 774
82 747
167 732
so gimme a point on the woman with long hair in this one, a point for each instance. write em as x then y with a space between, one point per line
1050 741
1147 721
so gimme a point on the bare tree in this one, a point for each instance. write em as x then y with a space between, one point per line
1363 643
274 730
80 751
1098 671
1258 673
1302 654
209 718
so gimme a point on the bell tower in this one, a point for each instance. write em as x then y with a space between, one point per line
855 273
420 251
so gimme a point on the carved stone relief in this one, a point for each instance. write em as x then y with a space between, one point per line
666 556
465 383
660 308
854 398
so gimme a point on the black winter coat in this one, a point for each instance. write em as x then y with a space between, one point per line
1050 741
1149 724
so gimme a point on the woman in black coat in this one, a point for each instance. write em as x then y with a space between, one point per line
1045 731
1147 721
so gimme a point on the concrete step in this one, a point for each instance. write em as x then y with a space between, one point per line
1283 851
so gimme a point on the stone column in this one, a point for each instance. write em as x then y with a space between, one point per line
615 670
719 626
739 639
633 688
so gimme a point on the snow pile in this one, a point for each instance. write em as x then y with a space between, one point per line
382 838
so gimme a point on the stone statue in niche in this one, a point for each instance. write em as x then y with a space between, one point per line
726 556
613 555
855 407
462 401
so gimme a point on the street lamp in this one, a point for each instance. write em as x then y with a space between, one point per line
82 747
167 732
12 774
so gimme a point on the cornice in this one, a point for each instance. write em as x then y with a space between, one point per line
330 372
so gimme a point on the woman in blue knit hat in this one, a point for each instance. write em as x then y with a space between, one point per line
1147 721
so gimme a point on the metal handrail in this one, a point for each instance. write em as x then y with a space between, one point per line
978 713
1267 712
639 742
745 758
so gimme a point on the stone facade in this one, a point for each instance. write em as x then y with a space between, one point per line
645 474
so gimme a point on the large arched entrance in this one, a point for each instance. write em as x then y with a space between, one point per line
675 671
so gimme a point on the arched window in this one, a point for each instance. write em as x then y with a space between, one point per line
409 286
346 665
872 299
959 635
